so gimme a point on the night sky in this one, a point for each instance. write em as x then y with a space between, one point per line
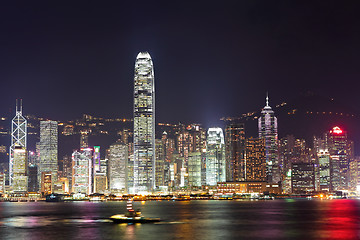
66 58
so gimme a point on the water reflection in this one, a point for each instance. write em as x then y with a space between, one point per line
340 220
279 219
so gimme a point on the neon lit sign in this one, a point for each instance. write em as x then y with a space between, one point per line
336 130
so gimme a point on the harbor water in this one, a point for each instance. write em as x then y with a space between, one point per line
211 219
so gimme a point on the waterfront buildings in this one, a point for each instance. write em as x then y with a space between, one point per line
268 130
47 182
67 169
144 124
235 152
355 174
33 184
341 153
241 187
190 138
324 169
100 182
20 164
48 149
194 169
82 171
118 168
18 136
159 162
255 167
303 178
215 157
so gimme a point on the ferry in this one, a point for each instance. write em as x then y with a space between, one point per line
132 216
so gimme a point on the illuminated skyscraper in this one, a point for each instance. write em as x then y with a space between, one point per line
234 151
303 178
117 167
215 157
341 153
144 124
194 169
20 178
354 169
159 162
268 131
48 148
190 138
324 169
18 136
81 171
255 159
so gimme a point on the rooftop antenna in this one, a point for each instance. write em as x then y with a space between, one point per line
21 105
16 106
267 99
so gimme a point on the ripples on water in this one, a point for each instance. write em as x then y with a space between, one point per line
278 219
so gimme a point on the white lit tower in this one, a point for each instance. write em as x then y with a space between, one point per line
215 157
268 130
144 124
18 136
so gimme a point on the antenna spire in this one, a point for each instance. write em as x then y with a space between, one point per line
21 105
267 99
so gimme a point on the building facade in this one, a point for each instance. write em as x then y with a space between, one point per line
118 167
235 152
48 148
144 124
341 154
194 169
82 171
268 129
18 136
255 167
215 157
20 164
303 178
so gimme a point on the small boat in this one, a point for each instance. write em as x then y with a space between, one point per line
132 216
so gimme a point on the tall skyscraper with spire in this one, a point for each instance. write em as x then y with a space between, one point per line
144 124
18 136
268 130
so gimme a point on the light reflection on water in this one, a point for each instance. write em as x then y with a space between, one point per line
278 219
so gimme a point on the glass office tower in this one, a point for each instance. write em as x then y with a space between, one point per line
144 124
